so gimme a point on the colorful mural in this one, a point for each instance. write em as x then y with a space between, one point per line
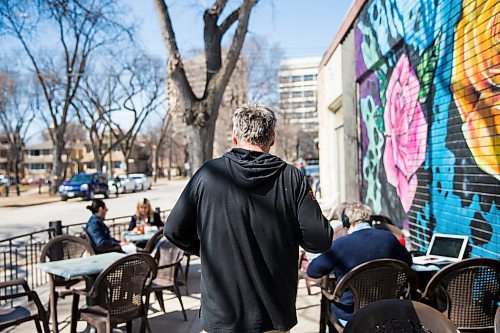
428 76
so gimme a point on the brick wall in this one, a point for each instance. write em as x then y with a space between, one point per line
428 97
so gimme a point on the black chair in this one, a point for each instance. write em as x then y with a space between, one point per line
60 248
168 258
370 282
398 315
125 283
468 293
31 309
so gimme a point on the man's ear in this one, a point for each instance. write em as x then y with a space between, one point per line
272 141
235 139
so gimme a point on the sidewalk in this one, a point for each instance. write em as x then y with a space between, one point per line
27 199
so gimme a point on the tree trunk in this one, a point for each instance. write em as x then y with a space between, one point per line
57 171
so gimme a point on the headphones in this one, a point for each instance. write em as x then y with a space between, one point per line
345 220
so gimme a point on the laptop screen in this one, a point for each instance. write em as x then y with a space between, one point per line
446 246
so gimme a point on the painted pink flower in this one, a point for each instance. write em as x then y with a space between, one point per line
406 131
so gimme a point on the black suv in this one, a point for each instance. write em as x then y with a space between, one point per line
84 185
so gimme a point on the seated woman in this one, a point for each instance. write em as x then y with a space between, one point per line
145 216
360 245
98 232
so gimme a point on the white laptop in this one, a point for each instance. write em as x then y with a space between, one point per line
443 248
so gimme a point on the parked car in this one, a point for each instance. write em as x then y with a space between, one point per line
143 181
4 179
127 184
85 185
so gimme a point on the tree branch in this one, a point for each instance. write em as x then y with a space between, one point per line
223 76
175 61
229 21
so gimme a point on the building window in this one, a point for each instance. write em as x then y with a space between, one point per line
309 93
46 152
297 94
116 164
296 78
284 79
117 148
309 104
309 77
297 105
36 166
34 152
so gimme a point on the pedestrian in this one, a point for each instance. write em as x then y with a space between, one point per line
361 244
245 214
303 169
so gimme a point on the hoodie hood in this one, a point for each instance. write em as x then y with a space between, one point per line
250 169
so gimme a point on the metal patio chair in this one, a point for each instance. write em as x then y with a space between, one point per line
60 248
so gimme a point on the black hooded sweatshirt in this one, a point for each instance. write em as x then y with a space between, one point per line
246 214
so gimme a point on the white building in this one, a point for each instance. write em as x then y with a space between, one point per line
298 100
297 88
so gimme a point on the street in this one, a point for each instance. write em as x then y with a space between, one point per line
21 220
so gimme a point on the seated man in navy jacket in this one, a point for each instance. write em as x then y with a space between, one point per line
360 245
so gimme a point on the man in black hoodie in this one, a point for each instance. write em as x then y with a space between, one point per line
245 214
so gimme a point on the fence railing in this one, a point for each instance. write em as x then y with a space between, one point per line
20 254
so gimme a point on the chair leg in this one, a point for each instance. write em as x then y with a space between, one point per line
159 297
45 322
145 324
308 286
178 294
74 312
38 327
187 273
53 311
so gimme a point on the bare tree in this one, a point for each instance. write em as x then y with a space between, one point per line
200 113
287 139
17 112
95 102
262 65
78 30
141 85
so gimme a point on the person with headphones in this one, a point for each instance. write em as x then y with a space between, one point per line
360 245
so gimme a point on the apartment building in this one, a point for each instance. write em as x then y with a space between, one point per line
298 101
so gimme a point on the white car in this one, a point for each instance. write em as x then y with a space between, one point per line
127 184
143 181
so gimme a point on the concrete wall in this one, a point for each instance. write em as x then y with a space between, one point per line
351 127
428 97
331 129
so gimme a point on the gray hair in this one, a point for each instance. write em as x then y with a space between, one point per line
254 124
356 211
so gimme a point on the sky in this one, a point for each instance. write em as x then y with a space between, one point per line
301 28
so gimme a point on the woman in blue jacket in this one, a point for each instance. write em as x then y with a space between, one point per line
97 231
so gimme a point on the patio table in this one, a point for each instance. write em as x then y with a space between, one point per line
80 267
137 238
